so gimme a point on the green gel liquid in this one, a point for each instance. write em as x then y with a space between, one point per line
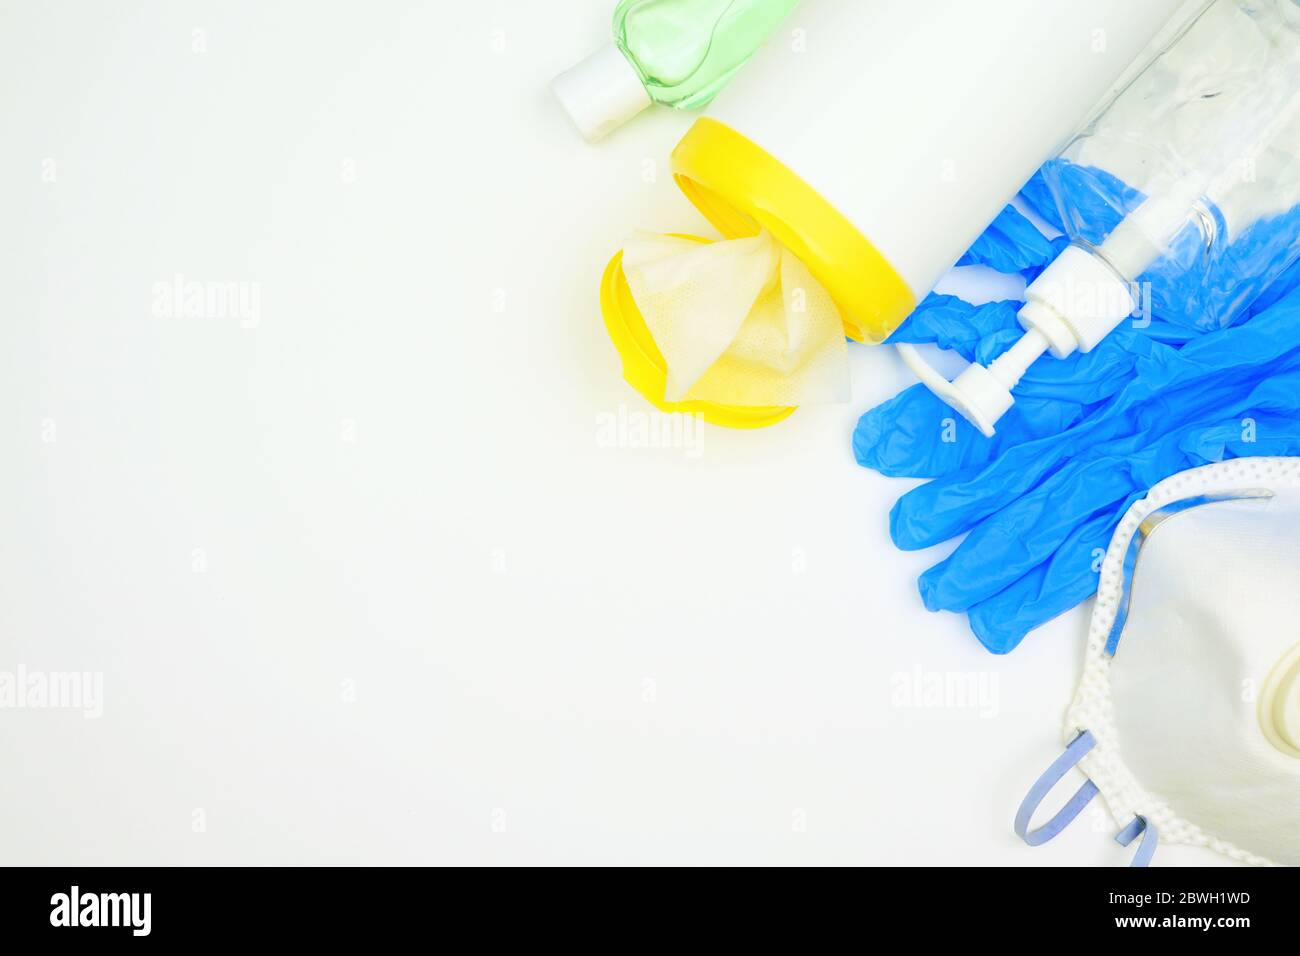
686 51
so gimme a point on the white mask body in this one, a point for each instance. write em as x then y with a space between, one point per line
1196 714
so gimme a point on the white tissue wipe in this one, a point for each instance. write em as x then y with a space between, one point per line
739 322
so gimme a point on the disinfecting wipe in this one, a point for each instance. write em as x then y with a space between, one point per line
739 322
865 149
1181 198
677 53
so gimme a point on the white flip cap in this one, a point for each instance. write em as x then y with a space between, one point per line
601 93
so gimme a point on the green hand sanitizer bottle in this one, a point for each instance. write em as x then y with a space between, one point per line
679 53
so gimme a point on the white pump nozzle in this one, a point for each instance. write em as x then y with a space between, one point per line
1075 303
1072 305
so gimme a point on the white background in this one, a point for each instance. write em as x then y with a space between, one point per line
363 581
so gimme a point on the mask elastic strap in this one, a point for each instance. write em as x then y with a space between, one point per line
1078 748
1150 839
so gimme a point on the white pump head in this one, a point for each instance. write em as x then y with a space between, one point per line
1071 306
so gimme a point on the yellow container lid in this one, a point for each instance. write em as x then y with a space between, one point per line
741 188
644 366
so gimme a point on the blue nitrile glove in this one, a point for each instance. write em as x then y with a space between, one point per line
1039 513
917 435
1013 244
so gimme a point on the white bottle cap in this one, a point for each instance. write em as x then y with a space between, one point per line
601 93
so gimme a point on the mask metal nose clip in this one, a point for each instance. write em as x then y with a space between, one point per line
1279 704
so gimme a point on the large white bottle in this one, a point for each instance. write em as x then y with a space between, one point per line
878 138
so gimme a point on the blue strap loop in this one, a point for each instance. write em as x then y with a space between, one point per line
1150 840
1078 748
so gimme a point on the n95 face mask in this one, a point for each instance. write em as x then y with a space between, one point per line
1187 719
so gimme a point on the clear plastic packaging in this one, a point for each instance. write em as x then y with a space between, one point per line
1181 199
1193 171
